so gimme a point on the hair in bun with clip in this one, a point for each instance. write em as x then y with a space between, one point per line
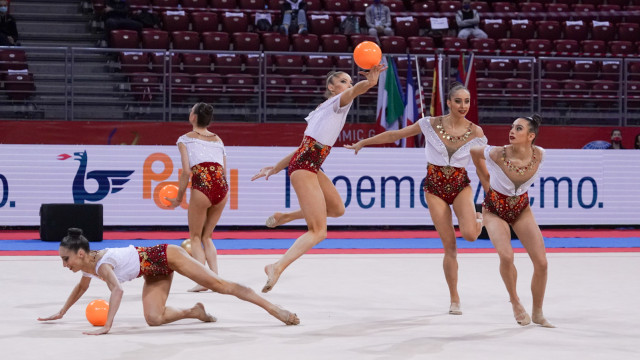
75 241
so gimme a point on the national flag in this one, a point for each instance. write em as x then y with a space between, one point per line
390 99
410 115
437 97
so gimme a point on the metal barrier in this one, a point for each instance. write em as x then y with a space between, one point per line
67 83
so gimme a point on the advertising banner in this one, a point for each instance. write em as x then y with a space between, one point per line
379 186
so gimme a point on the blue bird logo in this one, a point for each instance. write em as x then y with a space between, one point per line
109 181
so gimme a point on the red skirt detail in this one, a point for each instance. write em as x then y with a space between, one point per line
208 178
445 182
153 260
508 208
309 156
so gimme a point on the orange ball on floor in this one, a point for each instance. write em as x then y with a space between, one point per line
97 312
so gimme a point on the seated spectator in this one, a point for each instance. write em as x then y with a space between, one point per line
263 22
293 10
8 28
616 139
378 19
468 20
116 17
636 145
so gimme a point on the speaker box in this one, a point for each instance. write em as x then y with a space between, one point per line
55 219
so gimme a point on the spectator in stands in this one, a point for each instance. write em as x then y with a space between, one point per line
636 144
616 139
8 28
378 19
116 17
468 20
294 11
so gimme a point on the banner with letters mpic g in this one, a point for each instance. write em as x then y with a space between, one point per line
379 186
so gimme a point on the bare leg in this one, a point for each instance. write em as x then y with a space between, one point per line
333 201
154 298
311 199
529 234
469 222
198 208
500 235
441 217
185 265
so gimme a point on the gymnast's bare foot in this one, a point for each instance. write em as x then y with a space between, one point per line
201 314
274 220
198 288
539 319
454 309
520 314
272 277
287 317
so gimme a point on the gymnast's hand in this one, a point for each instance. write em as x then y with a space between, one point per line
56 316
264 172
174 203
103 330
355 147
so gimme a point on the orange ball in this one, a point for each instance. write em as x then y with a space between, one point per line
169 191
186 244
97 312
367 54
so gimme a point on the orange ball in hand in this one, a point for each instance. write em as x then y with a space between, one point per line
367 54
97 312
169 191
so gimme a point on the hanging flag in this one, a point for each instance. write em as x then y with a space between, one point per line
470 83
437 97
411 114
390 98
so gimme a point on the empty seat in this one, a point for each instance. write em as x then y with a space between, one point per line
13 59
288 64
223 4
131 62
253 63
146 86
164 62
602 30
275 88
185 40
449 6
251 4
124 39
318 65
395 6
334 43
488 88
344 63
155 39
306 43
539 45
621 48
556 69
204 21
633 70
321 24
165 4
420 45
18 85
548 29
495 28
575 30
500 68
194 5
629 32
605 92
585 70
240 87
196 63
566 46
337 5
519 92
175 21
233 22
394 44
550 91
586 12
504 7
511 45
179 88
215 41
593 46
575 88
633 14
207 87
611 70
406 26
522 29
417 6
227 63
275 42
358 38
524 68
246 41
531 7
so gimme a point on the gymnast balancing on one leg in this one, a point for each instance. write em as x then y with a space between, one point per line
156 264
448 141
506 173
316 193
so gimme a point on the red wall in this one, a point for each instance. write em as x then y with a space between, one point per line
247 134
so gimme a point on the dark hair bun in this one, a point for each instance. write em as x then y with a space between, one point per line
536 119
207 110
74 232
